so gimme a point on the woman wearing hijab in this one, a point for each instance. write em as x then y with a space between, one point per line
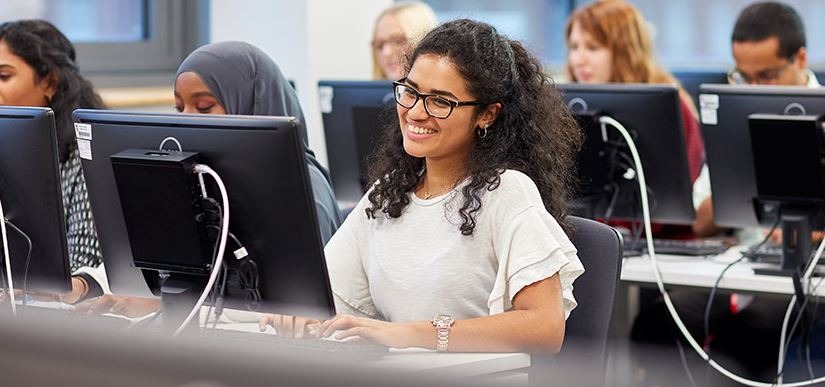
238 78
235 78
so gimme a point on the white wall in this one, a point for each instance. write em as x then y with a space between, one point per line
309 40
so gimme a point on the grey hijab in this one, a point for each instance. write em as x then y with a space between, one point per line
247 82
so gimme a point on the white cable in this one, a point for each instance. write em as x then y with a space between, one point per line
200 169
8 260
175 140
805 278
604 120
203 186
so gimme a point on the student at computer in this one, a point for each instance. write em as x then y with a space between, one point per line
608 42
461 244
38 68
769 48
235 78
239 78
397 29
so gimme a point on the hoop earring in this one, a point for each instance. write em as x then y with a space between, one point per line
482 131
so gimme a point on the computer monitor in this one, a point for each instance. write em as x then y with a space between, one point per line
652 113
729 157
32 200
789 165
272 212
691 80
353 113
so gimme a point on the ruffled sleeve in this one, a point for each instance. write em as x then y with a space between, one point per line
530 245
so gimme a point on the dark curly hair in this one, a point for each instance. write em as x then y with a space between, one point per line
534 131
43 47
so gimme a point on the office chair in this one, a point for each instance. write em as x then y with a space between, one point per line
583 357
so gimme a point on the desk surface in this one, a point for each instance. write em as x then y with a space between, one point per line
448 364
703 272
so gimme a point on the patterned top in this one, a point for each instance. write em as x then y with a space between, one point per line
80 228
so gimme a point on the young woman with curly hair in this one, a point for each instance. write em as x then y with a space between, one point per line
460 244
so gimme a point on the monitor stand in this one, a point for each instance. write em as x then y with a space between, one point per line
796 243
179 294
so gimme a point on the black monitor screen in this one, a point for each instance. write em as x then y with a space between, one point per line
32 199
725 112
272 210
788 157
652 113
353 113
367 121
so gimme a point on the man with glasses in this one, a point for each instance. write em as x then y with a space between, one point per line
769 47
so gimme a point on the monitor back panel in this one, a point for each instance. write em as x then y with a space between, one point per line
653 114
354 113
257 157
728 143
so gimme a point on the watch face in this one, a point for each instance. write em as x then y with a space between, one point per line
444 320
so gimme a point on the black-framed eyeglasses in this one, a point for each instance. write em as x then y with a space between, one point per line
768 76
436 105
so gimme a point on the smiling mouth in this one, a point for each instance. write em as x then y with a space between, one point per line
419 130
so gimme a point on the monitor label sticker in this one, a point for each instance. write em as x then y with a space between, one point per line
85 148
83 131
709 104
325 99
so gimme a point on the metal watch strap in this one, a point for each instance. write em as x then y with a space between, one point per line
442 324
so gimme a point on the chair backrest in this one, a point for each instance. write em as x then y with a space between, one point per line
585 345
600 251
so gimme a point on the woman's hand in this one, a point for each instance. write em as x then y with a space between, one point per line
289 326
131 307
395 335
79 289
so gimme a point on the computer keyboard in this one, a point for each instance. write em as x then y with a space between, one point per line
59 316
360 349
768 253
692 247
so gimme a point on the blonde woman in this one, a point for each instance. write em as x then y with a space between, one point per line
398 29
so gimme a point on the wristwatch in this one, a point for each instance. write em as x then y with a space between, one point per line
442 324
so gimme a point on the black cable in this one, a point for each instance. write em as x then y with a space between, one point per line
719 279
231 236
249 280
608 212
219 214
28 257
713 295
219 303
808 360
793 329
684 362
809 338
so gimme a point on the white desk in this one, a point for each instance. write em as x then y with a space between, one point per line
683 271
500 368
698 272
703 272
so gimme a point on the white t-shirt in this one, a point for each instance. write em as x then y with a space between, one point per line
418 265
